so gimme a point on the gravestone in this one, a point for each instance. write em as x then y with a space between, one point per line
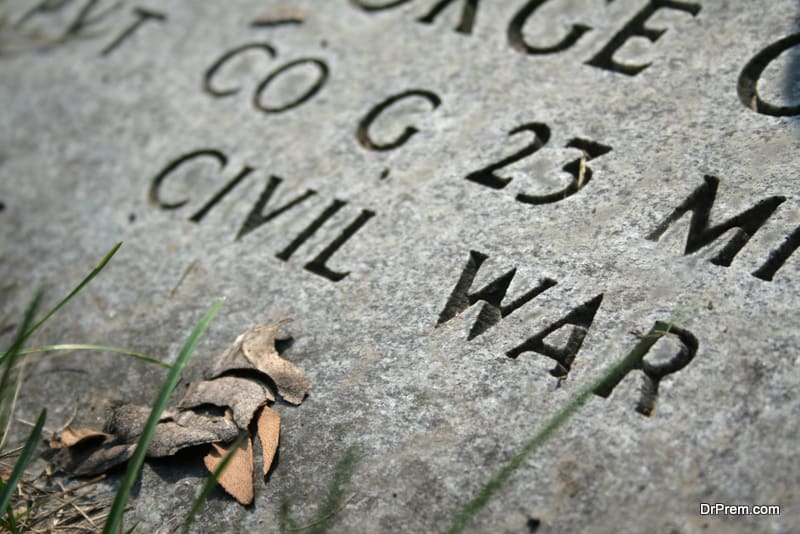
470 210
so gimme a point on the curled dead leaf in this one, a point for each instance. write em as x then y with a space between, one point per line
198 419
277 15
128 421
237 477
189 430
242 395
85 461
70 437
255 350
174 432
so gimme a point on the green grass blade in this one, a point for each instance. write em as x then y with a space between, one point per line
11 523
114 521
211 483
8 404
561 417
83 346
334 502
22 462
74 292
335 498
8 383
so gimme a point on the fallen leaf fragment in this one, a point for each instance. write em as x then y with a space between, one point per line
256 351
199 419
242 395
189 430
237 477
73 436
269 433
278 15
86 461
128 421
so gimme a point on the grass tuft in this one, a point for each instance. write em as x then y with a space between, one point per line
19 467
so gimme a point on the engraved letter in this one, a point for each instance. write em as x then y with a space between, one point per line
318 264
143 15
362 133
212 70
779 256
492 295
487 176
580 319
653 373
636 28
517 40
701 234
256 217
322 77
153 195
748 79
467 14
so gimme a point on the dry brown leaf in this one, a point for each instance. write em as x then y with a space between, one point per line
73 436
277 15
255 350
83 451
189 430
85 461
243 395
128 421
174 432
269 433
237 478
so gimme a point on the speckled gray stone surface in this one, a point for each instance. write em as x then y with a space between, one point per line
433 414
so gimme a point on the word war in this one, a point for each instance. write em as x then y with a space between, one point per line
579 319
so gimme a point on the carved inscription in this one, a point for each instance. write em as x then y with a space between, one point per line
577 168
578 320
743 226
634 27
637 27
259 101
307 77
257 216
82 19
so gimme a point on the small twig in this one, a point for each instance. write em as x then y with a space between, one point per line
186 272
66 491
80 511
12 452
70 420
17 389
